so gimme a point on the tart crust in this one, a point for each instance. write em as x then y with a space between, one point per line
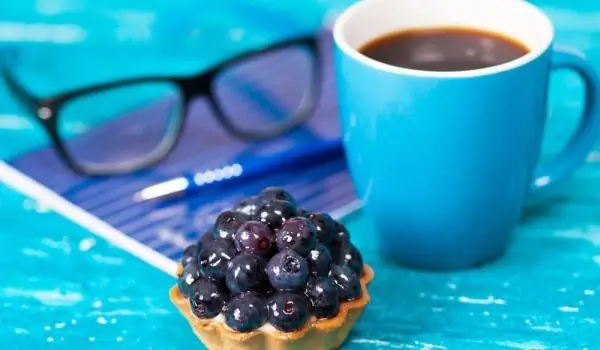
317 334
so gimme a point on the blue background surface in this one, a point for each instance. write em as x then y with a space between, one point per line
63 288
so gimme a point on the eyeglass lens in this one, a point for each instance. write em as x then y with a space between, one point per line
121 127
263 93
126 127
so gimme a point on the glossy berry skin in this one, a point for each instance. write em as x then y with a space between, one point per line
245 312
246 272
346 281
207 299
324 297
190 274
249 206
254 237
227 224
348 255
214 258
298 234
275 193
319 260
190 254
325 227
275 213
287 311
287 270
342 235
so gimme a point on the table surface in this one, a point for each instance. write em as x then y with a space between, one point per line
62 287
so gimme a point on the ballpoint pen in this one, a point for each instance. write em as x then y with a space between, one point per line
306 154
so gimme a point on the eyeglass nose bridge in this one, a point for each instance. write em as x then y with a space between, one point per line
201 86
196 86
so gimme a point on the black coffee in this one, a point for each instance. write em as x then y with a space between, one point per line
444 49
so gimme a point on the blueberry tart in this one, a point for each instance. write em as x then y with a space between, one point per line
272 276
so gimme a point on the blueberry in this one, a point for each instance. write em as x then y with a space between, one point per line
347 254
341 234
190 274
298 234
245 312
323 295
346 281
227 224
288 311
207 299
205 239
254 237
276 193
215 256
319 261
246 272
302 212
325 227
249 206
287 270
276 213
190 254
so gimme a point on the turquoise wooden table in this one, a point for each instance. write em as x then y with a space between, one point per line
62 287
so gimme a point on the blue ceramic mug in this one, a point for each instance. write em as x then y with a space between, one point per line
443 161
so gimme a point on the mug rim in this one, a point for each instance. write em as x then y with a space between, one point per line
339 37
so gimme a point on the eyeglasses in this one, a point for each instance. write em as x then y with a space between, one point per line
124 126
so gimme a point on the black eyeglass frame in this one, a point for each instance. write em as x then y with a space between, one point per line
47 110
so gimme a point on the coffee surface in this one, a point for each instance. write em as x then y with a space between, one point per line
444 49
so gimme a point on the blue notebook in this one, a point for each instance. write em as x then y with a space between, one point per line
168 226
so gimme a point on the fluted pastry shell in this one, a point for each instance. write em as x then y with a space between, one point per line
317 334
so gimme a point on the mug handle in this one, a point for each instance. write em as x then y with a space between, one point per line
582 142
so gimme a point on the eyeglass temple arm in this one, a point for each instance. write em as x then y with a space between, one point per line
27 99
